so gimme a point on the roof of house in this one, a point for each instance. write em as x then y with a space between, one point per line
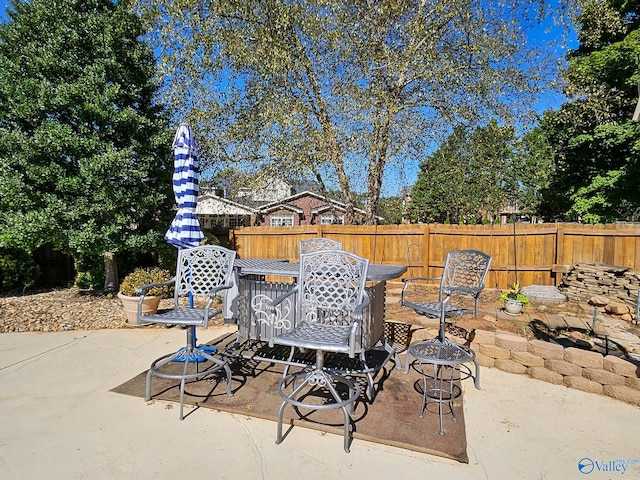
280 206
210 204
284 204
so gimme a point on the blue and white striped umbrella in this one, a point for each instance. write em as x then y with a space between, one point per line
185 230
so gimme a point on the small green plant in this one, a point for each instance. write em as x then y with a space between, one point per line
146 276
514 293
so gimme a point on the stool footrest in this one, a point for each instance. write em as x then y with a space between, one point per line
191 357
317 379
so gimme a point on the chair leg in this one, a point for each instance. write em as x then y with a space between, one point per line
369 375
347 423
353 394
293 394
407 361
184 355
318 378
288 364
476 379
279 423
159 363
391 350
423 405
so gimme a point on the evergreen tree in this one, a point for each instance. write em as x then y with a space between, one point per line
469 178
85 160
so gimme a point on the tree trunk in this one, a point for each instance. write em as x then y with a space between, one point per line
110 272
377 162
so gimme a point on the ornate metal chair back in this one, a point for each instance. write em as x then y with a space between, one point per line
317 244
331 285
464 270
201 269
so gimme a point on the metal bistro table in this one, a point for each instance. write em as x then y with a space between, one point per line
248 306
446 358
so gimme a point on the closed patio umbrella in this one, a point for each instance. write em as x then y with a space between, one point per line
185 230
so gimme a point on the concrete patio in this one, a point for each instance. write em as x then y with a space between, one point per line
60 421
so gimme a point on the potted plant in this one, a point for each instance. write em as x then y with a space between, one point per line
130 292
514 300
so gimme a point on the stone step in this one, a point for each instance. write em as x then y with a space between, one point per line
577 323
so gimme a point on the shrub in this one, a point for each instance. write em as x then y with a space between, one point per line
146 276
90 270
17 269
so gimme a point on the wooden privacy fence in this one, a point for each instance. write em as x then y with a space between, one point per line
536 254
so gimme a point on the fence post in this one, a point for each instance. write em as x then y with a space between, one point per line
559 251
427 251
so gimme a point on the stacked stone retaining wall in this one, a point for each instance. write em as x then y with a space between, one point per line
550 362
585 280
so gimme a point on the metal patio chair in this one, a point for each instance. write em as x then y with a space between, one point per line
202 272
319 243
331 301
464 274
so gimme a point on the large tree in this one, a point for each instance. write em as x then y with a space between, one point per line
596 144
468 178
337 89
85 161
532 168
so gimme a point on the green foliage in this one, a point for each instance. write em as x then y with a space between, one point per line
391 209
17 269
595 141
90 280
532 168
338 90
85 160
471 176
90 270
146 276
514 293
167 256
210 239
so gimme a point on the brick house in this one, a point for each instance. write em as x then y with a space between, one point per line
304 208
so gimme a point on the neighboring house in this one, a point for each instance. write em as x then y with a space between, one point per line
509 213
216 212
269 204
304 208
264 191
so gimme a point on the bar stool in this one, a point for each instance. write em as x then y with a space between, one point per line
330 302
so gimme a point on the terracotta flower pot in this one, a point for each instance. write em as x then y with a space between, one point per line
150 304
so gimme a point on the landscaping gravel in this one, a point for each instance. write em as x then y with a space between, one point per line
67 309
59 310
